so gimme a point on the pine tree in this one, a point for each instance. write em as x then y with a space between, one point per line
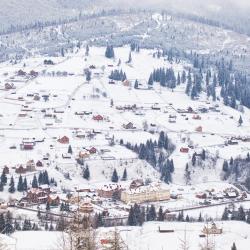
248 217
225 167
51 228
86 173
161 140
178 79
160 215
70 151
180 216
200 219
136 85
87 50
193 92
8 223
225 214
194 159
240 121
88 76
109 53
233 247
114 176
47 206
34 182
40 178
2 222
12 188
150 80
1 187
131 217
152 213
124 176
4 178
25 186
203 155
20 184
183 76
129 58
241 214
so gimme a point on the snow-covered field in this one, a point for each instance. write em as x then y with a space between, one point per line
146 237
149 238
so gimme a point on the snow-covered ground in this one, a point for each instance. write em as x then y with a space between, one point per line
67 106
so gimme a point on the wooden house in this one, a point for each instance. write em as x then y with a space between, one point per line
92 150
199 129
20 170
129 125
213 229
53 200
184 150
98 118
63 140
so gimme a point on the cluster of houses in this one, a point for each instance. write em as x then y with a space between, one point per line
228 193
40 195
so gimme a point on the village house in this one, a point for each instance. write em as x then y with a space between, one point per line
98 118
36 195
8 86
21 73
150 193
63 140
231 193
53 200
213 229
136 184
39 164
30 166
86 207
92 150
199 129
20 170
184 150
27 146
108 190
196 117
83 154
126 83
33 73
129 125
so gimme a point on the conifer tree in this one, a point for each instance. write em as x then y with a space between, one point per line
20 184
12 188
70 151
160 215
25 186
4 178
233 247
114 176
34 182
240 121
124 175
86 173
225 214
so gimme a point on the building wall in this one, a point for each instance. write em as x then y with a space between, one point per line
145 196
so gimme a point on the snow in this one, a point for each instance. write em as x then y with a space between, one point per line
72 94
149 238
